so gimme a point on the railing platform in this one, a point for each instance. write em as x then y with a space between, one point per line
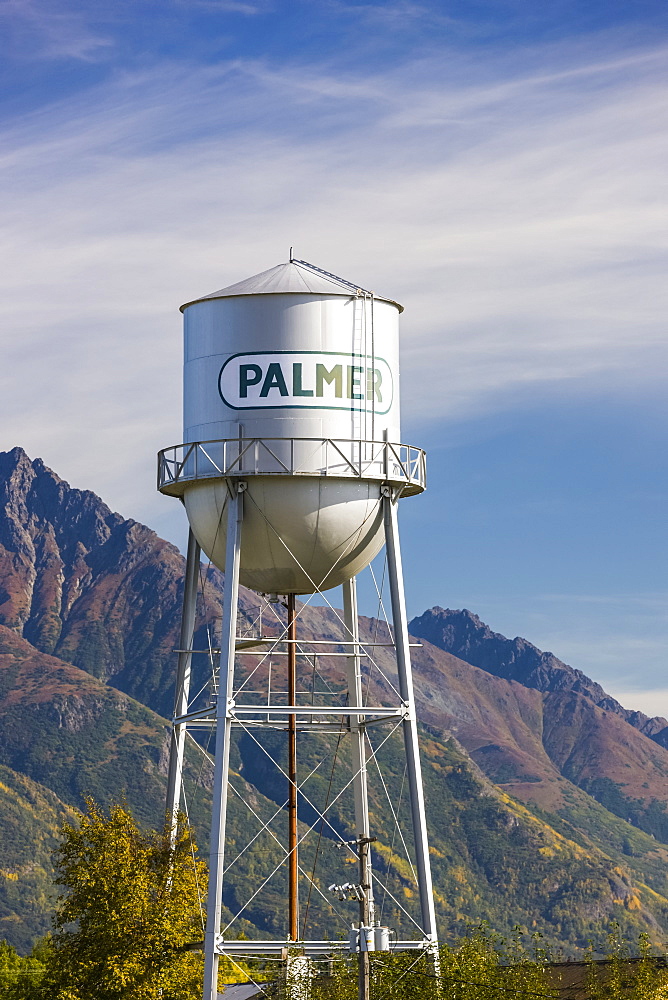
313 948
401 465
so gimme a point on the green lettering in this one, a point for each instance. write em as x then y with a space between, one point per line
374 379
297 389
248 375
322 375
274 380
354 382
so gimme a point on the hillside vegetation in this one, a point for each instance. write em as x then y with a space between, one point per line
531 781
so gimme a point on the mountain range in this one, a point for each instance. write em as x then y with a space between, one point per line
546 798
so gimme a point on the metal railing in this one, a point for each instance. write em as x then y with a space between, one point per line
271 947
382 461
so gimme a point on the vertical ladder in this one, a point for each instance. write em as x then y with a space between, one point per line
356 411
363 352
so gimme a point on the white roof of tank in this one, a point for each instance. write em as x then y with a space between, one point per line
292 278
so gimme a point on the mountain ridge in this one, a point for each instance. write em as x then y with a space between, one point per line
89 618
463 634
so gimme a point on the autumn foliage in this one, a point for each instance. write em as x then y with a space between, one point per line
129 912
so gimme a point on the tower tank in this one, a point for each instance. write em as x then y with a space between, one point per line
291 384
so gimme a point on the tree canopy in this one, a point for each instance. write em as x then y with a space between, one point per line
129 913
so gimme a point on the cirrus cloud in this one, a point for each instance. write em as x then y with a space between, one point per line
520 215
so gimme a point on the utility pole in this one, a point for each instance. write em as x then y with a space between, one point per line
363 955
293 888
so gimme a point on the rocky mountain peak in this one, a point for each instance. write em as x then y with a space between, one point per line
104 593
465 636
64 555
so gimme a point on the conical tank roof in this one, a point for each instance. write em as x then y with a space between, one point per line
291 278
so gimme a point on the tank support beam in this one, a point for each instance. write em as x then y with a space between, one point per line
182 693
293 884
356 724
414 773
223 737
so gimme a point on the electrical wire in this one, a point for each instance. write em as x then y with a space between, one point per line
488 986
394 832
394 814
192 853
337 835
322 823
466 982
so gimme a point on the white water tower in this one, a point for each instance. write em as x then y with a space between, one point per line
291 470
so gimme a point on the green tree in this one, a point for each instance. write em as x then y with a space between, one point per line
20 976
484 966
620 978
469 971
129 912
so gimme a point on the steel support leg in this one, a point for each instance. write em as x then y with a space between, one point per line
414 774
182 693
223 737
293 865
356 724
360 788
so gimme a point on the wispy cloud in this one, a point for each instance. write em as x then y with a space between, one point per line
521 219
228 6
49 30
395 15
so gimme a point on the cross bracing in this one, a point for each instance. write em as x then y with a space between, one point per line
348 689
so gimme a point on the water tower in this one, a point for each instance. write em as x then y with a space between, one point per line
291 471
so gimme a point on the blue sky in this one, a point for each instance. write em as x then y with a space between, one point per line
497 167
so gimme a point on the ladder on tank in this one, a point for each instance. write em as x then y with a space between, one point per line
363 352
